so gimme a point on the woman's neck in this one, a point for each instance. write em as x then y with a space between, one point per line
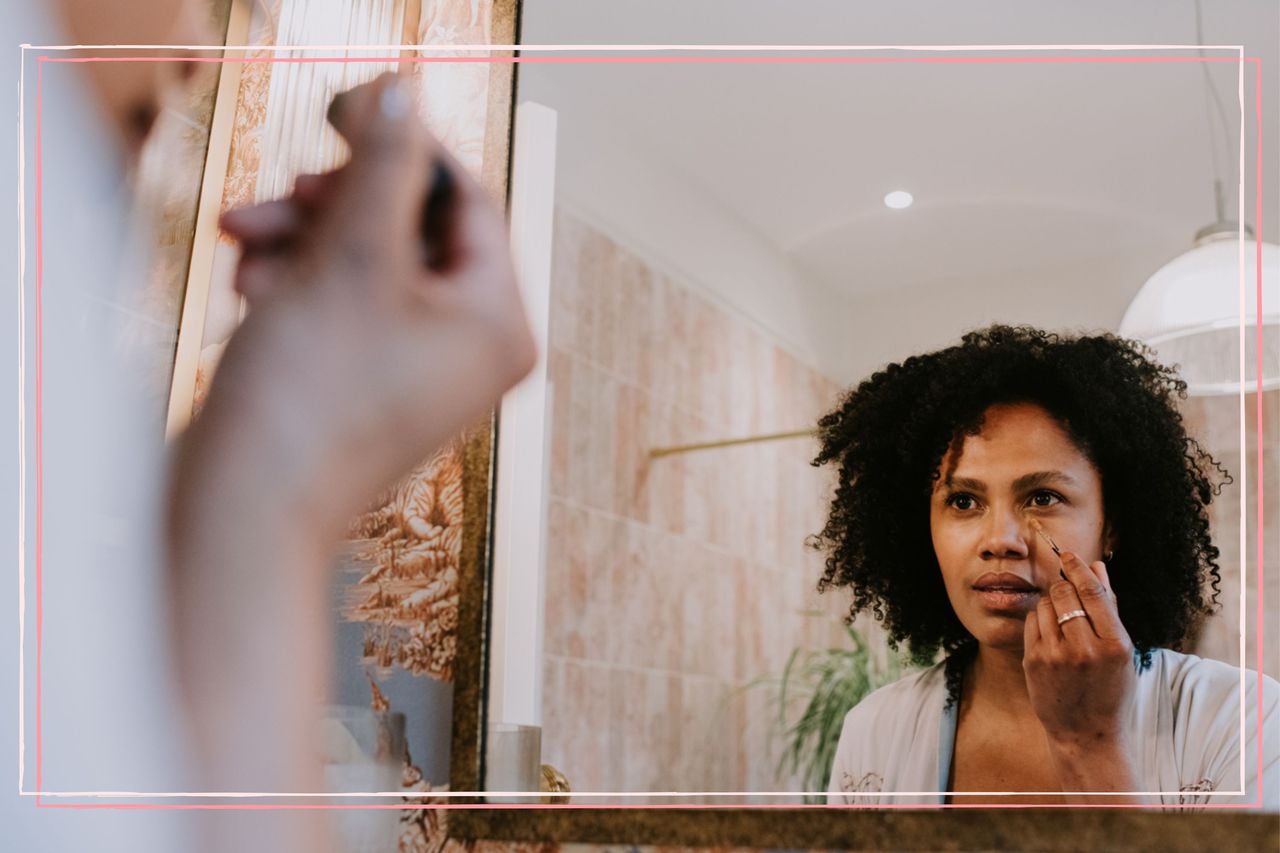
995 678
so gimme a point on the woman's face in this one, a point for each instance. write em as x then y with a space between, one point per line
1021 466
133 93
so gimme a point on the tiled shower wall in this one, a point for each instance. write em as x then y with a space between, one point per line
672 582
1215 421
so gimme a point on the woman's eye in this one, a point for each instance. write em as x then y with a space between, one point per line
961 501
1044 499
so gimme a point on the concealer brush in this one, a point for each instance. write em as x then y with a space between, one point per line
1039 528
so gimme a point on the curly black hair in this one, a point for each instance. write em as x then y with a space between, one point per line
890 433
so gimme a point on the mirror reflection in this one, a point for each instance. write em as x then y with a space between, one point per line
938 282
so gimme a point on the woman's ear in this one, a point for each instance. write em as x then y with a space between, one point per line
1108 541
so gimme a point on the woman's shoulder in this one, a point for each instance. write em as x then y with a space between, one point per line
1204 696
1196 705
1193 678
888 740
901 698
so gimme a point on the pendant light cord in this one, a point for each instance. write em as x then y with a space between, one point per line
1212 103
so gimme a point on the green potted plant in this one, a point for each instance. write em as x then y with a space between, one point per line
823 684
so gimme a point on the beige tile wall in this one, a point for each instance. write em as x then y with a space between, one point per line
671 582
1215 421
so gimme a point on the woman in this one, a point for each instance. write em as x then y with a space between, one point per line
962 472
367 346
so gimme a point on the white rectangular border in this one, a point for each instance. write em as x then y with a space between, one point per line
1239 49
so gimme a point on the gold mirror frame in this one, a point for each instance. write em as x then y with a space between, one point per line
839 827
479 469
811 827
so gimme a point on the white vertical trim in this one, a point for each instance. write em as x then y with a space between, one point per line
22 414
515 685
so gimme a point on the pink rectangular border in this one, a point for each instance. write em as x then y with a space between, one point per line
39 270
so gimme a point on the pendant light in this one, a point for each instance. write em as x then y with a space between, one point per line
1189 311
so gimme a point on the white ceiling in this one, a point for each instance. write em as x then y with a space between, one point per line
1017 169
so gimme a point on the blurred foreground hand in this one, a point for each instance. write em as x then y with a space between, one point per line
367 346
358 357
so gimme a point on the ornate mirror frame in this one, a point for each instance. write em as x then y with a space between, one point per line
866 828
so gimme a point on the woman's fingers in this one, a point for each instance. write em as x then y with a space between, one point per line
263 224
374 211
1092 595
267 233
1063 600
313 191
1047 624
260 272
402 183
1030 631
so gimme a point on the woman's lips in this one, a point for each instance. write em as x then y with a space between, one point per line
1006 591
1008 599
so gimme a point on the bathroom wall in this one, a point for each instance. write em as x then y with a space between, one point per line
889 325
672 582
672 220
1216 422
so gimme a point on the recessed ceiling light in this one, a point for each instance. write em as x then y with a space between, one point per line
898 199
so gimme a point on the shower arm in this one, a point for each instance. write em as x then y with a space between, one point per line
659 452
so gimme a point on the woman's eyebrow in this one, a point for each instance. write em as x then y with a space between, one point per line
966 483
1042 478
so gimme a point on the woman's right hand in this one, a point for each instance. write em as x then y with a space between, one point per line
1082 682
357 359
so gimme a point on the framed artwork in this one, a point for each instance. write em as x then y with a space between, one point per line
413 564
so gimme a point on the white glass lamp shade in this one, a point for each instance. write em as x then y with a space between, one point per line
1189 313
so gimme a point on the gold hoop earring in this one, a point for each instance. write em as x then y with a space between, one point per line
1108 557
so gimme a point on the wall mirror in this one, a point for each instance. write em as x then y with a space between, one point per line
714 251
614 603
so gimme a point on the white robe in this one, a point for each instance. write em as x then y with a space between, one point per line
896 744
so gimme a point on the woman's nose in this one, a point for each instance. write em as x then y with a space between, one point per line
1005 537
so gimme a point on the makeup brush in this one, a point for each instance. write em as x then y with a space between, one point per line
1039 528
438 209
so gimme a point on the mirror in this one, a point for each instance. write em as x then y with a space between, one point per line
714 252
724 259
